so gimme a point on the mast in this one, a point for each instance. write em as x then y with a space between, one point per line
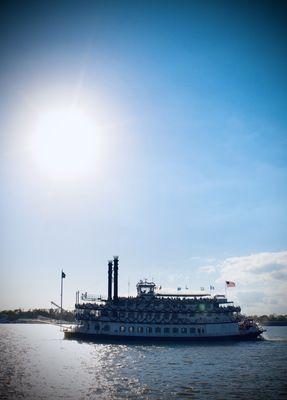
63 275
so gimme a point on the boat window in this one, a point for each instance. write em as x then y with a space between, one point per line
149 329
198 330
183 330
106 328
131 329
122 328
97 327
166 330
192 330
157 329
175 330
140 329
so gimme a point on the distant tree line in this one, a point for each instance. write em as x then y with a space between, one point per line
19 314
272 319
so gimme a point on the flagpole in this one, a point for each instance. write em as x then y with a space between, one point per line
61 292
225 288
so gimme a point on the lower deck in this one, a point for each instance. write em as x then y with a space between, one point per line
105 329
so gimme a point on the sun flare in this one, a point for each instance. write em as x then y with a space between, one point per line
64 143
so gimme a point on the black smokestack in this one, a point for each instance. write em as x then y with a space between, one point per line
116 268
110 279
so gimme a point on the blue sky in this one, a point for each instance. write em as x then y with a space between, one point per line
186 102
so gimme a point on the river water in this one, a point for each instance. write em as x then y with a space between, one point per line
37 363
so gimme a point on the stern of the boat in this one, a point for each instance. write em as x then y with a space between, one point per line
250 328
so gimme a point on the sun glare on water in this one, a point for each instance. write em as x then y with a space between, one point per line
64 143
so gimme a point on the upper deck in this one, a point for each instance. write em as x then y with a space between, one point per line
150 298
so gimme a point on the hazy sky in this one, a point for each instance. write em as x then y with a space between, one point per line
153 130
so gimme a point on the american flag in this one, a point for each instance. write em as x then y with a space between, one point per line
230 284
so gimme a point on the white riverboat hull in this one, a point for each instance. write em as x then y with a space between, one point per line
174 333
117 339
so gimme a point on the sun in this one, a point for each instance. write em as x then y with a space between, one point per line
64 143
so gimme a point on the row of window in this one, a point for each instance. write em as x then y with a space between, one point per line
149 329
159 330
157 315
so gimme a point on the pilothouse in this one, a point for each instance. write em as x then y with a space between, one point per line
145 288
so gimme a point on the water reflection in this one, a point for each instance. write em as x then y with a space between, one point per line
37 363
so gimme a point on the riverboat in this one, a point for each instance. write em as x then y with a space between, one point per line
156 316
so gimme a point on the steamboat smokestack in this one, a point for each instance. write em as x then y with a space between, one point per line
110 279
116 268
